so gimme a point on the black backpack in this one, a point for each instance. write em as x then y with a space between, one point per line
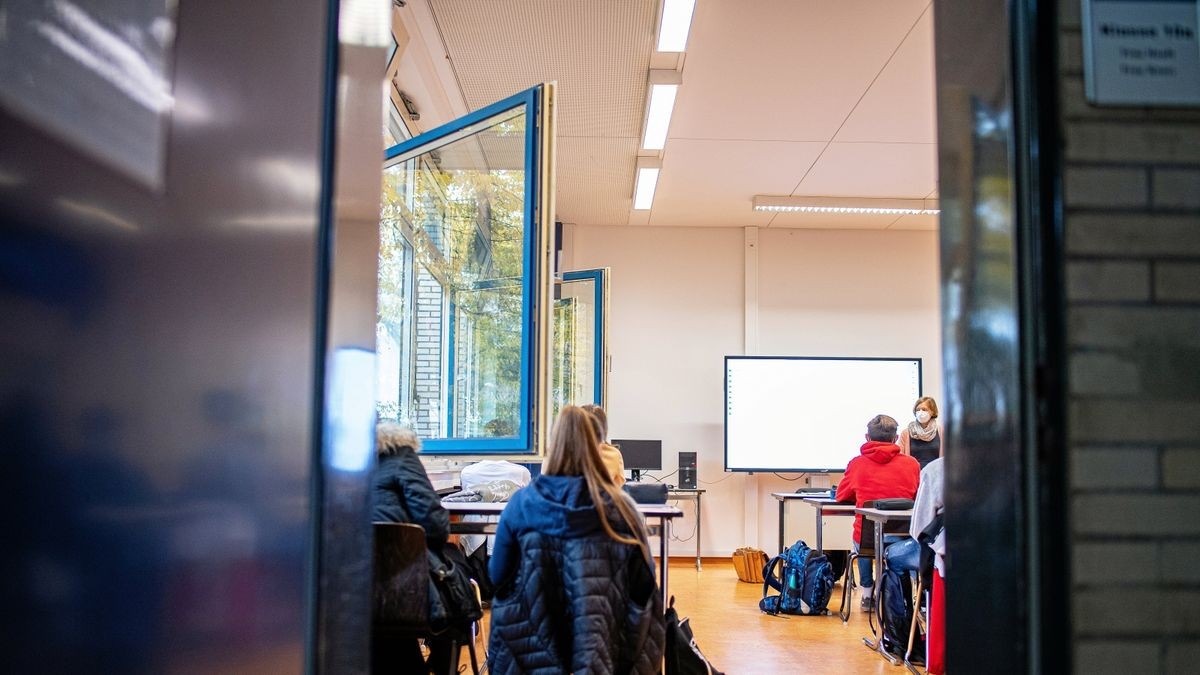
894 609
683 656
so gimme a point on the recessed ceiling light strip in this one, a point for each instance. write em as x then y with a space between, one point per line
675 26
645 183
847 205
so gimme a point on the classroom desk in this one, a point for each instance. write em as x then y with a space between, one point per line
690 495
821 504
665 514
881 520
824 505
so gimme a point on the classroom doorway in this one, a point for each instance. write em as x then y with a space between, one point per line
829 153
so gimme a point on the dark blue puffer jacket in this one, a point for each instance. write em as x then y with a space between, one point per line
569 598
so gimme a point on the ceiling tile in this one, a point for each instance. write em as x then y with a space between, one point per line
714 182
900 106
784 69
595 180
598 52
873 170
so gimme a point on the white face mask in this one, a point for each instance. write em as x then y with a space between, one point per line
923 416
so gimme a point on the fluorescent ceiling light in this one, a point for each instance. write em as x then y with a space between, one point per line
647 181
664 84
843 205
676 23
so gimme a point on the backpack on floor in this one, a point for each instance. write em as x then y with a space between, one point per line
804 581
895 612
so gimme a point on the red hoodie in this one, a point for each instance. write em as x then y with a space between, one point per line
881 472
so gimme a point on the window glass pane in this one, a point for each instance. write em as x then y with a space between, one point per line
487 344
394 325
574 355
460 207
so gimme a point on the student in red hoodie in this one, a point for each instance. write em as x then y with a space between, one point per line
880 472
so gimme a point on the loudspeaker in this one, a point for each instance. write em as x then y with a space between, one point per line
687 470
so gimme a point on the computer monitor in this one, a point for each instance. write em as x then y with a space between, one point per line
640 455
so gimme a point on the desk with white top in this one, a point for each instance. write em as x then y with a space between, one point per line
663 513
823 505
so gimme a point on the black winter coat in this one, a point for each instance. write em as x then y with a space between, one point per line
569 598
401 493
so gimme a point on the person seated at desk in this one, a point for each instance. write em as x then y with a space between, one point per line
400 488
401 492
879 472
574 579
614 461
493 479
922 438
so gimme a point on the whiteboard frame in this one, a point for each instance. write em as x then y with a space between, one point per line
725 425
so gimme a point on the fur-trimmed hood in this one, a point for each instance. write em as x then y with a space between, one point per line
389 438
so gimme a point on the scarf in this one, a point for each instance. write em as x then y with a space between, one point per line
915 430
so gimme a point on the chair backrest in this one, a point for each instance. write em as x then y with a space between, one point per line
866 540
401 580
866 544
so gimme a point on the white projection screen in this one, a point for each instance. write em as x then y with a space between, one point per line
792 413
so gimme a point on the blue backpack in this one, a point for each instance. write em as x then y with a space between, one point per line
804 582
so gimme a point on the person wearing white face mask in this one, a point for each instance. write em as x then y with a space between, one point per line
922 438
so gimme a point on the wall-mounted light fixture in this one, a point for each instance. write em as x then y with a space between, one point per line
645 182
664 84
675 25
836 205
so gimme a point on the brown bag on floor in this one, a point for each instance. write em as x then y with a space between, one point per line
749 562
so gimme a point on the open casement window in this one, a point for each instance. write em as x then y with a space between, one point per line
579 359
464 280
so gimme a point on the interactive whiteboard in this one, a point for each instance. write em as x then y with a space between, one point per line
786 413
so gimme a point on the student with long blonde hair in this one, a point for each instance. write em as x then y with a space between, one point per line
610 454
575 588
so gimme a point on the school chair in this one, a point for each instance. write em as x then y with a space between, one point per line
400 592
919 623
866 549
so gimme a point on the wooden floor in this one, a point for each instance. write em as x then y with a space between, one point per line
738 638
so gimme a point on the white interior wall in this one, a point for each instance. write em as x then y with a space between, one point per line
677 308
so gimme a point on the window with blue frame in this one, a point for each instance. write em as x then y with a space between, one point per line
579 350
457 280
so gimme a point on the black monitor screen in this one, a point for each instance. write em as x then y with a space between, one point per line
641 454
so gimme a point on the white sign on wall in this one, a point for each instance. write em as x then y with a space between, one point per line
1141 52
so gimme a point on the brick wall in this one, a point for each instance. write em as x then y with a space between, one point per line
427 372
1132 188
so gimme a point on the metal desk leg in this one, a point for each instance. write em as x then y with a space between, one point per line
877 644
698 531
664 535
820 531
782 504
